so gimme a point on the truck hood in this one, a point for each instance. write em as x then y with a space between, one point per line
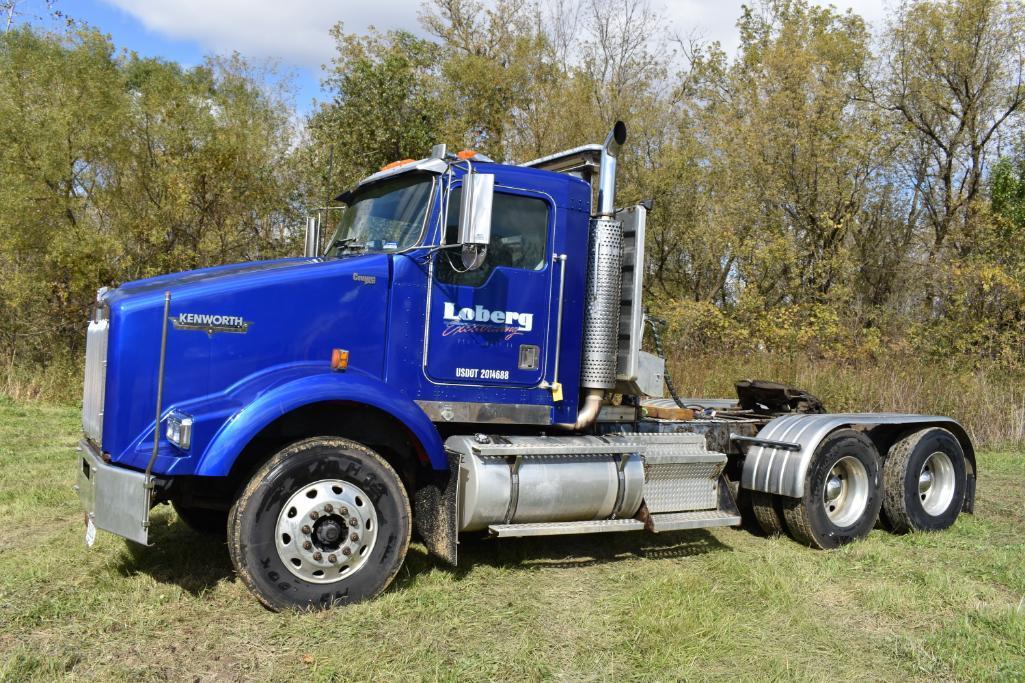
228 324
211 274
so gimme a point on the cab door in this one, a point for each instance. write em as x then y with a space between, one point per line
490 326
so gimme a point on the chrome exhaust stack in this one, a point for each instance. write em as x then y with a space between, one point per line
604 280
607 171
312 245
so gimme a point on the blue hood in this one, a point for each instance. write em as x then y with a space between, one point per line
209 275
295 312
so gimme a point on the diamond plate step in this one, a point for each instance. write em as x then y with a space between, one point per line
680 473
597 526
698 519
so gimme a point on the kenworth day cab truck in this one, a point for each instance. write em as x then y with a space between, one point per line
463 357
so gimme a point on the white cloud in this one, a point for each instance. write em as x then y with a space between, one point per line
715 20
296 31
292 31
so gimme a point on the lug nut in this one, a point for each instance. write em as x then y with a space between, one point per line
314 514
329 507
306 529
307 545
343 511
317 556
354 537
353 522
332 558
346 551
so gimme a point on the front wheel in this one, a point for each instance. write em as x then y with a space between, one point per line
326 522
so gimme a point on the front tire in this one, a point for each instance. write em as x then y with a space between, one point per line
924 481
841 498
326 522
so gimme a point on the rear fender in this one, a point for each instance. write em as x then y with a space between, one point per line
782 472
351 387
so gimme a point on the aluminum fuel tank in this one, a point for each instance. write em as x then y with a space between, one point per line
520 479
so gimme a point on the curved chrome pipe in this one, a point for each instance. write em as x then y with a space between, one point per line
607 173
588 413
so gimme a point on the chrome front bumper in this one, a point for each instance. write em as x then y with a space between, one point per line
115 499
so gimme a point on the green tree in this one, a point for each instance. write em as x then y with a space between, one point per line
116 167
386 105
954 78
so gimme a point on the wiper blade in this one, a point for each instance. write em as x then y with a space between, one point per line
344 243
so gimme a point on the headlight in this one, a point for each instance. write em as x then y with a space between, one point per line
179 430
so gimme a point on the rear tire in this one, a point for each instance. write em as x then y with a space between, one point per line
326 522
202 520
841 498
768 512
924 481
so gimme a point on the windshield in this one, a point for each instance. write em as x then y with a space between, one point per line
387 216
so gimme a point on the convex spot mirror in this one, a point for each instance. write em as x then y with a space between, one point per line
475 217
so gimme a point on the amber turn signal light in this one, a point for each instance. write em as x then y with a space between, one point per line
396 164
339 359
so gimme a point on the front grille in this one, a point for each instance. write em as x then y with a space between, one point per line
95 379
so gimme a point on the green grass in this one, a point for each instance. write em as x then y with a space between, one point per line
720 604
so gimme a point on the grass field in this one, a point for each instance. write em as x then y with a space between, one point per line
722 604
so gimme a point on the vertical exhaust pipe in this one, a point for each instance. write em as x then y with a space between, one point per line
604 278
607 171
312 245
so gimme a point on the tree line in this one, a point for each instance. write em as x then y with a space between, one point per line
829 187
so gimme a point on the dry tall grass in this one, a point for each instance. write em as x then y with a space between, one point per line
59 382
990 403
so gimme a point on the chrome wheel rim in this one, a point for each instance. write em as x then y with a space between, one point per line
845 493
326 531
936 483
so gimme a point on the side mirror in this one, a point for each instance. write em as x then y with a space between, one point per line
475 217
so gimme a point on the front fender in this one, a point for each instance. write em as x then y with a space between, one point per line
777 471
351 386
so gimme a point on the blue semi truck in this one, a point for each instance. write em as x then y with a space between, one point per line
464 356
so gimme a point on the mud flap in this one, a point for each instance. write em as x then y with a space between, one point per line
727 500
969 497
435 512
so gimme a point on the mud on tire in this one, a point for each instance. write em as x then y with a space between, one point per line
924 481
326 522
841 498
768 512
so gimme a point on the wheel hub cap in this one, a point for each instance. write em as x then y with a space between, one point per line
833 488
845 492
326 531
936 483
924 481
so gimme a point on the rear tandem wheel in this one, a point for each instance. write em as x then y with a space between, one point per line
841 498
924 481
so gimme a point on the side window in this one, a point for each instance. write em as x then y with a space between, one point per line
519 238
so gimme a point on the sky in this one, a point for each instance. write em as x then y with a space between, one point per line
293 34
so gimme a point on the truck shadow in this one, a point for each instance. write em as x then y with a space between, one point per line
196 563
562 552
180 556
